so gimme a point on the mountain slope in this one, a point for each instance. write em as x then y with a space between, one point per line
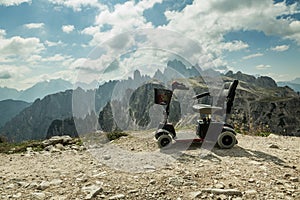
10 108
8 93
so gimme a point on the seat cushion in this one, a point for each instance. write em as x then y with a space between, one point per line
205 109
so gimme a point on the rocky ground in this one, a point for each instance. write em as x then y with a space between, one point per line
133 167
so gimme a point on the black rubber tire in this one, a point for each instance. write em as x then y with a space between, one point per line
164 140
226 140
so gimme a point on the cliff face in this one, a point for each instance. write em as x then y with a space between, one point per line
33 121
276 116
263 107
62 127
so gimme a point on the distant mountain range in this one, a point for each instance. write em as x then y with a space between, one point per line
294 84
38 90
42 89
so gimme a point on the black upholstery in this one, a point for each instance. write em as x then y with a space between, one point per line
230 96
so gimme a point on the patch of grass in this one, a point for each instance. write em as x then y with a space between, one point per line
79 142
263 134
20 147
115 135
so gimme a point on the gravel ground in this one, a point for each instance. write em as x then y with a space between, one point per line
133 167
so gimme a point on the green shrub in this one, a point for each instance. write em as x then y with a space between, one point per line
115 135
263 134
6 147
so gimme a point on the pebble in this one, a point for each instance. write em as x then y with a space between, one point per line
92 190
220 186
132 191
18 195
223 191
149 167
237 198
251 180
273 136
253 162
294 179
38 195
273 146
176 181
10 186
250 192
195 195
44 185
33 185
287 175
60 147
106 157
222 197
56 182
118 196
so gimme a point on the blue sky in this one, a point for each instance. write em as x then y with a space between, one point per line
49 39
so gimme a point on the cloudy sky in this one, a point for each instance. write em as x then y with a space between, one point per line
49 39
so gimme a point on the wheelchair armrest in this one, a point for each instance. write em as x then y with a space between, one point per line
198 96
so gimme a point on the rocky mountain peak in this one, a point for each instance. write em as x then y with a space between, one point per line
265 81
261 81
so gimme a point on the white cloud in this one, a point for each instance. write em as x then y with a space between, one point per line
5 75
2 33
34 25
280 48
124 17
55 58
18 46
14 75
216 18
262 67
34 59
67 28
13 2
234 45
77 5
253 56
208 22
280 77
92 30
52 44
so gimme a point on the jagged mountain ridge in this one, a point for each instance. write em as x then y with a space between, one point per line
252 94
34 122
